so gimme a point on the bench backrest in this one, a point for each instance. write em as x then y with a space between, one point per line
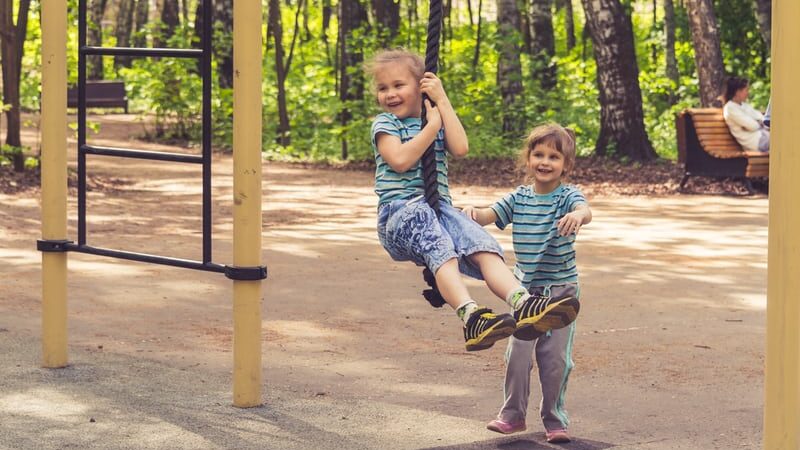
713 133
110 90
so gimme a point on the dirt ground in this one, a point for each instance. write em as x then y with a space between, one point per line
669 352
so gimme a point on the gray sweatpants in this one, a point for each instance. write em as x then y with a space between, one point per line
554 359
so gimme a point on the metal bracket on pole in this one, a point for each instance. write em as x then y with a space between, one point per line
60 245
246 273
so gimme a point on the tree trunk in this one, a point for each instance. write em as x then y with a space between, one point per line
11 51
525 24
569 24
170 19
672 63
197 39
707 53
352 16
543 46
764 17
307 35
469 13
123 31
295 34
94 37
139 21
327 12
476 56
509 69
387 20
223 37
621 117
185 11
276 29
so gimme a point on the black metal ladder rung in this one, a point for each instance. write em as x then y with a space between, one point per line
146 257
139 51
141 154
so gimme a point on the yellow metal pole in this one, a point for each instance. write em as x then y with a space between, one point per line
782 402
54 181
247 200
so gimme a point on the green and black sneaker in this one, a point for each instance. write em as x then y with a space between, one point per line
541 313
484 328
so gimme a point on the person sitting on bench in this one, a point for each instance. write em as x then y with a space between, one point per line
745 122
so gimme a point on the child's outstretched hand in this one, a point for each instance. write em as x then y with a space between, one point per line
470 212
570 223
432 115
430 84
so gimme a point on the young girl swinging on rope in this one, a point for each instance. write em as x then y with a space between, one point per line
449 243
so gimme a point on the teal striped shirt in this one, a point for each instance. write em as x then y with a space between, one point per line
543 257
391 185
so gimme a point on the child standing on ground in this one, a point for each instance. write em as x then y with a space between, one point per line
546 216
409 229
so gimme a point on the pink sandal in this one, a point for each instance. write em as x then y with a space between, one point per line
559 436
503 427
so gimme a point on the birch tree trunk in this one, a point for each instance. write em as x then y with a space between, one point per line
139 21
543 46
621 116
509 68
387 20
223 37
276 30
123 31
352 16
170 19
569 24
476 55
764 17
94 37
707 53
11 51
669 49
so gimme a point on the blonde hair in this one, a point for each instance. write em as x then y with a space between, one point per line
413 62
552 135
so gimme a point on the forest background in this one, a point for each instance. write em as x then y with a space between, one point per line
616 71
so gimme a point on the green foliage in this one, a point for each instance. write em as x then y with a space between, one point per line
8 152
743 51
169 88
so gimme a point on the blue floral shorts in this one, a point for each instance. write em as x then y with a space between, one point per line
410 231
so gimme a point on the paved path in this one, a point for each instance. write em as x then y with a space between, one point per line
669 351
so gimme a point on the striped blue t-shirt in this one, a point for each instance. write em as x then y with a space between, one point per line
391 185
543 257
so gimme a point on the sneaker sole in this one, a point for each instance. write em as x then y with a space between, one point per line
555 316
527 332
498 331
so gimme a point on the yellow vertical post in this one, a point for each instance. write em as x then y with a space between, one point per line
54 181
782 402
247 200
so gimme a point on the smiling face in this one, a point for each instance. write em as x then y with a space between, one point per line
546 165
398 90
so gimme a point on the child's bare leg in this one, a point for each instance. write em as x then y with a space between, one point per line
450 284
498 277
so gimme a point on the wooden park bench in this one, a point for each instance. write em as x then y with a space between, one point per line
100 94
706 147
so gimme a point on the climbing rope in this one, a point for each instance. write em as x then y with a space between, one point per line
429 172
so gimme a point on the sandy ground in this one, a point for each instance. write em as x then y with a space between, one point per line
669 351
